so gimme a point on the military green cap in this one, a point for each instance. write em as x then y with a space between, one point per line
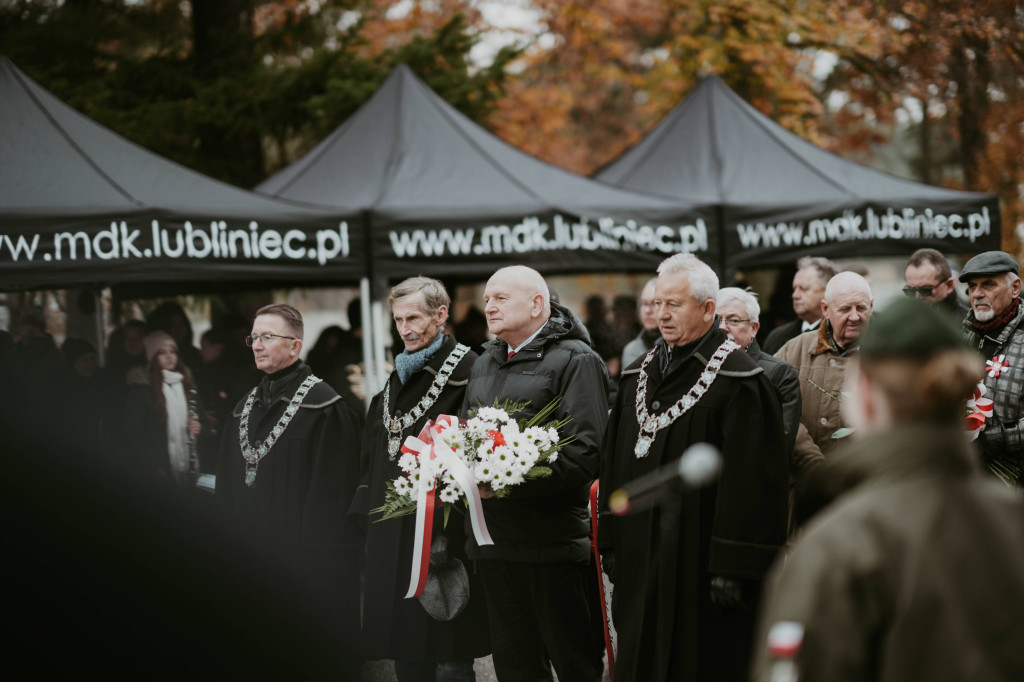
909 328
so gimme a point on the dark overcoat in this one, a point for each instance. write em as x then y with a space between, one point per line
668 628
545 520
395 627
303 491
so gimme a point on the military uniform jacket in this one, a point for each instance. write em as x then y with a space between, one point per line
395 627
668 628
916 572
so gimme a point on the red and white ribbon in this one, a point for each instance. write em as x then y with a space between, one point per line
981 410
425 499
996 365
463 475
428 446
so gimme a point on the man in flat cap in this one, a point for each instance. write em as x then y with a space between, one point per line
994 327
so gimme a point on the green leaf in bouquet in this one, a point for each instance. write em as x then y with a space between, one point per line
395 505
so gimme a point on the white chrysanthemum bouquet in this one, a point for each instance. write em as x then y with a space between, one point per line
496 453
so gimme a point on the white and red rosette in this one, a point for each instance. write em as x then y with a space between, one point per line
431 445
981 409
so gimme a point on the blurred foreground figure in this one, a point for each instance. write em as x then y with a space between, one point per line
917 571
134 580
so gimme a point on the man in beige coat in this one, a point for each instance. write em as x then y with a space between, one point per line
822 358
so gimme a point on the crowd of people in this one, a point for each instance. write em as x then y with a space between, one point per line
852 532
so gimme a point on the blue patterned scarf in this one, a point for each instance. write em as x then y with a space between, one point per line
406 363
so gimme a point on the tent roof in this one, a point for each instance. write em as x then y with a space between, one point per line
58 159
408 151
720 149
81 204
779 197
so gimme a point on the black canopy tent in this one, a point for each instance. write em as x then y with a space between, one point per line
778 197
81 205
442 196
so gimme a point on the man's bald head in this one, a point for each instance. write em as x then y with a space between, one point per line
847 306
516 303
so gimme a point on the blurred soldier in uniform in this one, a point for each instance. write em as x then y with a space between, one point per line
916 572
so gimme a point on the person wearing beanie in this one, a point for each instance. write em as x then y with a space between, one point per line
994 328
161 415
288 469
916 570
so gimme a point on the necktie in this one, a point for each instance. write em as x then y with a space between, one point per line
510 354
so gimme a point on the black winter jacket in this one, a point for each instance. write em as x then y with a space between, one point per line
545 520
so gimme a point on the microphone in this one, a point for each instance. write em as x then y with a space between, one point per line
698 467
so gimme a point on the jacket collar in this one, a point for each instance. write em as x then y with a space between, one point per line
827 343
1004 335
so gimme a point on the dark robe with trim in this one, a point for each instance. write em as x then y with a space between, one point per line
303 491
668 628
395 627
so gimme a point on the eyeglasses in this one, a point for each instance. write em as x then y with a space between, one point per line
919 292
734 321
267 339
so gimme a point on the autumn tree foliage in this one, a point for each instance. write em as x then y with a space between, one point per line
958 69
846 74
606 70
239 88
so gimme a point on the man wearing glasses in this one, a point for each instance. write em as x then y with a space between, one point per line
289 466
647 337
929 278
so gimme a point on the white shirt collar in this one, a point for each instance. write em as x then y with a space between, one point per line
532 337
806 326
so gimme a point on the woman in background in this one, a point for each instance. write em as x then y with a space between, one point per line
162 415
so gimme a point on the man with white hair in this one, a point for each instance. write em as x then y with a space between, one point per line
688 574
994 327
534 575
822 359
739 315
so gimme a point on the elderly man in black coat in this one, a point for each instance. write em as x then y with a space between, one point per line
688 574
739 317
429 380
534 574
